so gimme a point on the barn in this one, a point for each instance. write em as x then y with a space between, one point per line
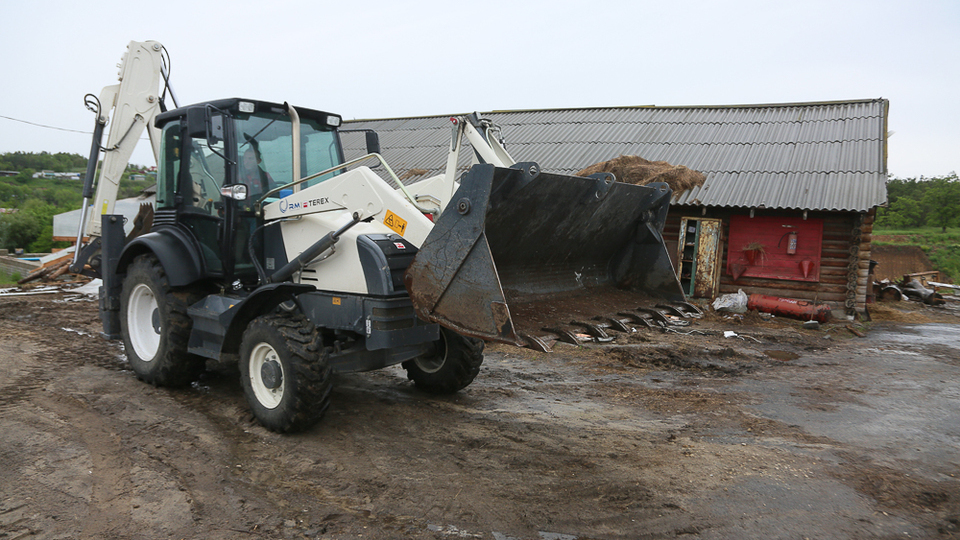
787 207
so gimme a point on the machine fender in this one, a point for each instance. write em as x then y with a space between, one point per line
261 301
180 259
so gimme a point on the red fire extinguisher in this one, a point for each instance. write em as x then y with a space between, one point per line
791 241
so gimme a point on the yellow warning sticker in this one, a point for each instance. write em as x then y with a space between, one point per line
336 301
395 222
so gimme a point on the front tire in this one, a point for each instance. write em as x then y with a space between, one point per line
155 325
285 372
451 366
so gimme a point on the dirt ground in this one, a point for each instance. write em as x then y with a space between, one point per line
777 432
895 261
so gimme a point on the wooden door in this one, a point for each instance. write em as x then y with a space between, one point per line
699 256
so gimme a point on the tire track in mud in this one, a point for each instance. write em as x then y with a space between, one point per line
125 456
43 343
35 353
110 473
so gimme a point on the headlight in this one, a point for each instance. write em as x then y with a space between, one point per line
237 192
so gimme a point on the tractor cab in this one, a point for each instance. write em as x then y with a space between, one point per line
218 159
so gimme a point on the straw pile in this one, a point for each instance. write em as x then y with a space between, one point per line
639 171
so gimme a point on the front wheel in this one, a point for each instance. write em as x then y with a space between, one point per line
451 365
285 372
155 325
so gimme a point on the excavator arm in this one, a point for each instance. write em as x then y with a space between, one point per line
134 102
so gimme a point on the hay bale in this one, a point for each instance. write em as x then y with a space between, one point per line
639 171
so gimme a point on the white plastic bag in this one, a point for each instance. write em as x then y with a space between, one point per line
734 303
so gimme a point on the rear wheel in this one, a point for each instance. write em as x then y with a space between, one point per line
155 325
285 372
452 364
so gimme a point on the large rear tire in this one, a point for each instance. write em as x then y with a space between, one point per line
451 366
285 372
155 325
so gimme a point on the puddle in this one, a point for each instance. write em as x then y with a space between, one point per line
897 352
784 356
921 335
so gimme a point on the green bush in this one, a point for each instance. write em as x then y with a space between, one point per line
7 278
946 259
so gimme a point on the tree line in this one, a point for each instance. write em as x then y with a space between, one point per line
927 202
59 162
29 204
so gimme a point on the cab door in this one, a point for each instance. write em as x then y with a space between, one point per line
203 169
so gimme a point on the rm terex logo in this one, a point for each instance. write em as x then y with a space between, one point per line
286 206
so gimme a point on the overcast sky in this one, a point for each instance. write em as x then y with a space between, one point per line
373 59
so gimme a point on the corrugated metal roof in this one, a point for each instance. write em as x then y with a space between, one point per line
807 156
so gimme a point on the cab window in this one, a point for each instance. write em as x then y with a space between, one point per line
169 166
205 172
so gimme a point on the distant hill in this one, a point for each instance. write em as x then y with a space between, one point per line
59 162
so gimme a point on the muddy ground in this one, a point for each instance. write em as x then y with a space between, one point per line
779 432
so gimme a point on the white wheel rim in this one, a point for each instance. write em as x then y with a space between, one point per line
435 362
260 355
143 322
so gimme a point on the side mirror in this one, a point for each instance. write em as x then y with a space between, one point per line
373 142
197 123
201 124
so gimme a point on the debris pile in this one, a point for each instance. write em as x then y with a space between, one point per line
50 272
80 288
914 287
639 171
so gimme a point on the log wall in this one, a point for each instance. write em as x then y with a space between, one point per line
844 257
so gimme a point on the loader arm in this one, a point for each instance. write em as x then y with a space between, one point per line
438 191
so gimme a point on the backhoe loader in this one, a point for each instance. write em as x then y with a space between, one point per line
269 249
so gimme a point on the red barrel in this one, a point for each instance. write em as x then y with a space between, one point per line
789 307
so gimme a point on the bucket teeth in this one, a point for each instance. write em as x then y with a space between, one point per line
673 310
594 330
536 343
656 315
567 335
687 309
637 318
616 324
600 328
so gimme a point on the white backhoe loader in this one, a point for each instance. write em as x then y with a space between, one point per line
269 249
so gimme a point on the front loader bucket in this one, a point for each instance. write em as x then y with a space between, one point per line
517 251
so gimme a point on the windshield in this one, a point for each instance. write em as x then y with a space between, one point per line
265 150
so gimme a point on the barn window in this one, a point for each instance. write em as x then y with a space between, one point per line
783 247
